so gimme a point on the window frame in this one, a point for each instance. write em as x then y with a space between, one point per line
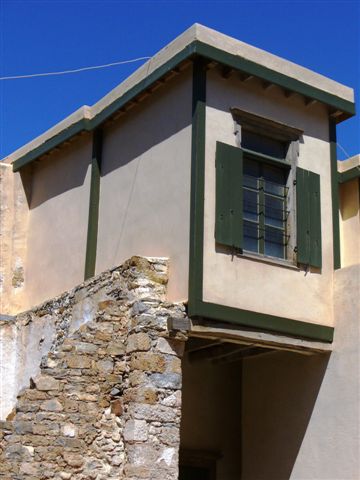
291 136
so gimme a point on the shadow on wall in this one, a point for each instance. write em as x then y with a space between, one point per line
279 395
52 176
349 202
226 93
159 117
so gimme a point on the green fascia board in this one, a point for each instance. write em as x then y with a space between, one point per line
94 201
335 204
194 48
184 54
95 122
262 321
349 175
277 78
63 136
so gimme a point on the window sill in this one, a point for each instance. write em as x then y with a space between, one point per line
270 260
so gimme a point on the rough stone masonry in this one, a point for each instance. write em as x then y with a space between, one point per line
107 401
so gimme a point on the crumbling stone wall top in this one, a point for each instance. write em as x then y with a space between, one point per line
107 401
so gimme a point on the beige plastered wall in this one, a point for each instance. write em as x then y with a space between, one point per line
253 285
350 215
58 219
145 184
301 413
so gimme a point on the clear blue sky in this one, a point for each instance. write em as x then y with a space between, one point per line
40 36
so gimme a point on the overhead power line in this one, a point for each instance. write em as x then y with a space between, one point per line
343 149
75 70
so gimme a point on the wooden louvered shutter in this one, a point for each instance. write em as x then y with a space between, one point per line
308 212
229 195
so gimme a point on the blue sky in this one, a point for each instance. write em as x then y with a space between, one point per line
44 36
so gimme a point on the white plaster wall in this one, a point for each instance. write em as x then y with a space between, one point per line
145 185
21 349
253 285
27 337
58 221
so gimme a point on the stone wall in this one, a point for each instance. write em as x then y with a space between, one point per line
107 401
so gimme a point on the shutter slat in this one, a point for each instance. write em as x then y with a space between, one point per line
302 209
308 217
229 195
315 220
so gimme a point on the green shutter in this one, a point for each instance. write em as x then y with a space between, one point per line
229 195
308 217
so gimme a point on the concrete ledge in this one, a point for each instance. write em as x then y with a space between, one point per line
230 333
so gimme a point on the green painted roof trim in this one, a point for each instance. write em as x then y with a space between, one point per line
55 141
194 48
349 175
95 122
252 68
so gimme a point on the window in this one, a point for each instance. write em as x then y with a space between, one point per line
265 204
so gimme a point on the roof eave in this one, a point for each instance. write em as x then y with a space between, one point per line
341 107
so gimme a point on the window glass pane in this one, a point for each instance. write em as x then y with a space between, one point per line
251 235
250 205
274 211
274 174
263 144
274 242
251 167
251 182
275 189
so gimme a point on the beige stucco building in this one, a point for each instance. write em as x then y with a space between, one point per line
222 158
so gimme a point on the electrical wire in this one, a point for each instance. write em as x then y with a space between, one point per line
76 70
343 149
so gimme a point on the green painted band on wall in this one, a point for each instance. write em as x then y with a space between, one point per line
200 49
197 181
263 321
92 232
196 306
334 196
349 175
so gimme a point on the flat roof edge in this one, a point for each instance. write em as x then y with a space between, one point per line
201 41
349 169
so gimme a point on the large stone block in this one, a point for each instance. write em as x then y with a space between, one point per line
136 430
166 380
52 405
45 382
147 361
78 361
138 342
